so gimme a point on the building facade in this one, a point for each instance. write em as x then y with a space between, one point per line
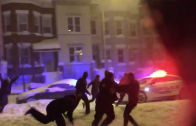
24 23
65 35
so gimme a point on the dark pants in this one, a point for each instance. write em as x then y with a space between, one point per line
85 99
94 95
127 117
102 109
45 119
3 102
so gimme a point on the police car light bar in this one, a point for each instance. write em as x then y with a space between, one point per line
159 73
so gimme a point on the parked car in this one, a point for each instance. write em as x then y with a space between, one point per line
52 91
160 86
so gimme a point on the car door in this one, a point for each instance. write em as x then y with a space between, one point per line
160 87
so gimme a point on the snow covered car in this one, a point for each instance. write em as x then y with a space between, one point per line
160 86
52 91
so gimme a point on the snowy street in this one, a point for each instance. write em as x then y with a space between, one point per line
169 113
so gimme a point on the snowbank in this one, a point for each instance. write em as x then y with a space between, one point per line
170 113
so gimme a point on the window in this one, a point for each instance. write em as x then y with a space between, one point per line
119 28
9 54
93 28
37 24
73 24
65 86
75 54
120 56
47 25
7 23
95 52
132 30
22 22
107 31
38 58
25 56
108 54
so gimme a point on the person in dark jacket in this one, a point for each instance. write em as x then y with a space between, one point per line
132 89
55 110
104 101
95 87
81 90
5 90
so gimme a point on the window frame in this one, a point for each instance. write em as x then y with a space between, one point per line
120 28
9 47
38 17
130 31
75 54
47 17
93 28
19 23
121 55
24 46
74 24
40 58
107 28
7 23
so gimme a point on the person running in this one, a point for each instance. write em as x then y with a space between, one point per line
95 87
55 111
104 101
132 89
6 85
81 90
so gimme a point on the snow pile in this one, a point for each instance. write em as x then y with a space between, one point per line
170 113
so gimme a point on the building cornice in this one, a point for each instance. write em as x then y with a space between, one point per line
42 3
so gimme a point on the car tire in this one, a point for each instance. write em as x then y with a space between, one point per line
142 98
184 93
31 99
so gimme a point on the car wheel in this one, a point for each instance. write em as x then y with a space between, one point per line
184 93
142 97
31 99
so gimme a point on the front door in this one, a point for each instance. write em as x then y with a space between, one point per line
49 61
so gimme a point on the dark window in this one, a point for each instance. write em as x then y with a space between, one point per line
120 56
119 27
107 31
93 28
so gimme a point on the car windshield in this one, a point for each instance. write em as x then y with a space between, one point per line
144 80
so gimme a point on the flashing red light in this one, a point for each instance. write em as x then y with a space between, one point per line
159 73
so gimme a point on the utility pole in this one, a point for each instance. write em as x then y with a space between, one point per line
104 40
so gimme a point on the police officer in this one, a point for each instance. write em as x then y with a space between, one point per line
81 90
132 89
124 79
55 109
104 101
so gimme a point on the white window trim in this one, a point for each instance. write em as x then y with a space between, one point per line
9 46
20 46
75 55
136 28
118 18
37 15
120 46
21 12
41 63
119 36
74 26
49 16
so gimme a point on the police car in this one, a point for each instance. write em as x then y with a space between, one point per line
160 86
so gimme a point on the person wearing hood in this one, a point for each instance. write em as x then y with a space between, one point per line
6 85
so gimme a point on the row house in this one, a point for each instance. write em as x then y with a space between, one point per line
26 23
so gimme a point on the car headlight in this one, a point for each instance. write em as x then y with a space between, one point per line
146 89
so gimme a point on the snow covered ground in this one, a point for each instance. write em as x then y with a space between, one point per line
171 113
